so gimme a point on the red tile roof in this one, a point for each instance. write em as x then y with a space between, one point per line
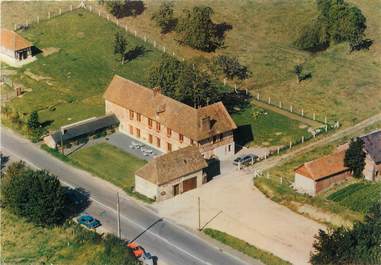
323 167
173 165
171 113
13 41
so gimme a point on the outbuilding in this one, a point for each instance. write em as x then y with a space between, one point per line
171 174
80 129
320 174
372 148
14 46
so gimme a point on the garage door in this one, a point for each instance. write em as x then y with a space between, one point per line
189 184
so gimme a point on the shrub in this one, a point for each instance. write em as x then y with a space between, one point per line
36 195
230 67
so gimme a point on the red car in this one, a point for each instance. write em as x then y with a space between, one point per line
136 249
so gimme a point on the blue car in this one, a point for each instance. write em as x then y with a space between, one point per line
89 221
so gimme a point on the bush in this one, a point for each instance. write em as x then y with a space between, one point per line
359 245
116 252
35 195
230 67
313 37
197 29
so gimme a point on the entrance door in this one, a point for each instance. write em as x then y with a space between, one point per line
176 189
189 184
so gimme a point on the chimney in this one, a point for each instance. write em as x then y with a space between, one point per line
206 123
156 90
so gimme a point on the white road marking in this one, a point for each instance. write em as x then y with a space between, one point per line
122 216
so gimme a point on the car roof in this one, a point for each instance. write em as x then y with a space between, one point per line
133 245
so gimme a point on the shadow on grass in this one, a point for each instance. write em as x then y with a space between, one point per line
235 102
136 52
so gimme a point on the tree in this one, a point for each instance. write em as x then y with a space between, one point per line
33 122
120 45
164 17
183 82
116 8
337 21
357 246
197 29
355 157
35 195
230 67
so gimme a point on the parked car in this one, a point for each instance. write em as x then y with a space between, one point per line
146 259
137 250
245 159
88 221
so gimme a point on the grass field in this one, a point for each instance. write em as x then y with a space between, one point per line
242 246
269 128
68 85
25 243
261 38
109 163
359 196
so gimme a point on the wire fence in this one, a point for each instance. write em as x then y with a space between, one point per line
325 127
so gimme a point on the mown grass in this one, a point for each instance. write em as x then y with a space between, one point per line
25 243
269 128
262 36
73 79
244 247
109 163
358 196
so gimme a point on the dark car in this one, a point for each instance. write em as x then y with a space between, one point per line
245 160
88 221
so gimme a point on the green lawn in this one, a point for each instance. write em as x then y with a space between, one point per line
358 196
269 128
109 163
25 243
244 247
68 85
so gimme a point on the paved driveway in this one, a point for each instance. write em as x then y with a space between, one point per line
232 204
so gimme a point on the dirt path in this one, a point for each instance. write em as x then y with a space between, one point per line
288 114
273 161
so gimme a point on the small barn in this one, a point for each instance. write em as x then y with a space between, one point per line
14 45
320 174
80 129
372 148
171 174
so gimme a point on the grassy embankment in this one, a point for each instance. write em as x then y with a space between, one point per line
25 243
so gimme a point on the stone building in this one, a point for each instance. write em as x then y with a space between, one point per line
167 124
171 174
320 174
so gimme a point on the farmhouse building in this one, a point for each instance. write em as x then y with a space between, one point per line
320 174
171 174
372 148
14 46
167 124
75 131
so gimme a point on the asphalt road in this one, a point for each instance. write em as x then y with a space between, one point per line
171 244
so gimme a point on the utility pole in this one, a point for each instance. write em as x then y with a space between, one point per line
199 214
118 212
